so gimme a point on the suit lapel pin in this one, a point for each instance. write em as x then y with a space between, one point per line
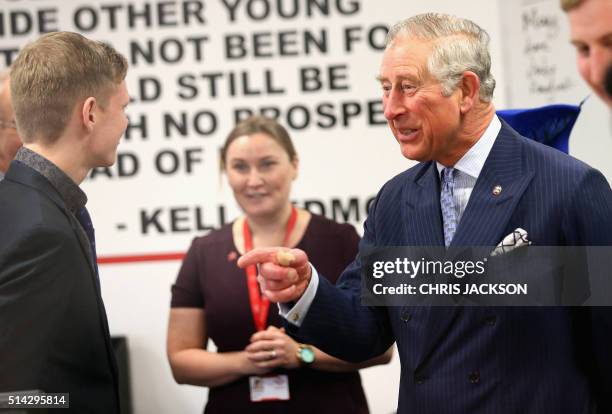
497 190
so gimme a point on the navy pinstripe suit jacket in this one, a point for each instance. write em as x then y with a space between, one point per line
487 359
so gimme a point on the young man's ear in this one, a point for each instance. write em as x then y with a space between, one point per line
88 113
469 86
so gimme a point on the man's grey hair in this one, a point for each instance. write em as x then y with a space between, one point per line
459 45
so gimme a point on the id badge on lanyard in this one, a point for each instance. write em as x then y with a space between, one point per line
268 387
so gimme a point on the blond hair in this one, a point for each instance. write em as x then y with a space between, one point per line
567 5
55 73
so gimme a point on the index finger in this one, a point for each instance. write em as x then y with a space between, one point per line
270 255
257 256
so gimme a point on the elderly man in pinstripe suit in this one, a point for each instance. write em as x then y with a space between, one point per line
477 181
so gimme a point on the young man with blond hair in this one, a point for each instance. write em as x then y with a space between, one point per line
591 33
69 97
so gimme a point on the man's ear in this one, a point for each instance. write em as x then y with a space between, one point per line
89 113
469 87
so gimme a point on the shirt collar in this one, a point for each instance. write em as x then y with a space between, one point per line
70 192
472 161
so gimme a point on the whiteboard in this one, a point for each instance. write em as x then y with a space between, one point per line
538 58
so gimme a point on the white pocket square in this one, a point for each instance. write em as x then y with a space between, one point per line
518 238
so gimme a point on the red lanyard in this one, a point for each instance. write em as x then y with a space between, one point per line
260 305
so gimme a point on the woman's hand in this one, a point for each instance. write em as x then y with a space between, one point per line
250 366
273 348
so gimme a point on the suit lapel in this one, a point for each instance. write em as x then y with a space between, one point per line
422 217
486 216
485 219
86 248
84 242
423 227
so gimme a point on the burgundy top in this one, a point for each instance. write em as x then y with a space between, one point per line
209 278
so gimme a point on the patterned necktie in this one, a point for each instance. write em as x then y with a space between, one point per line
447 203
84 218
